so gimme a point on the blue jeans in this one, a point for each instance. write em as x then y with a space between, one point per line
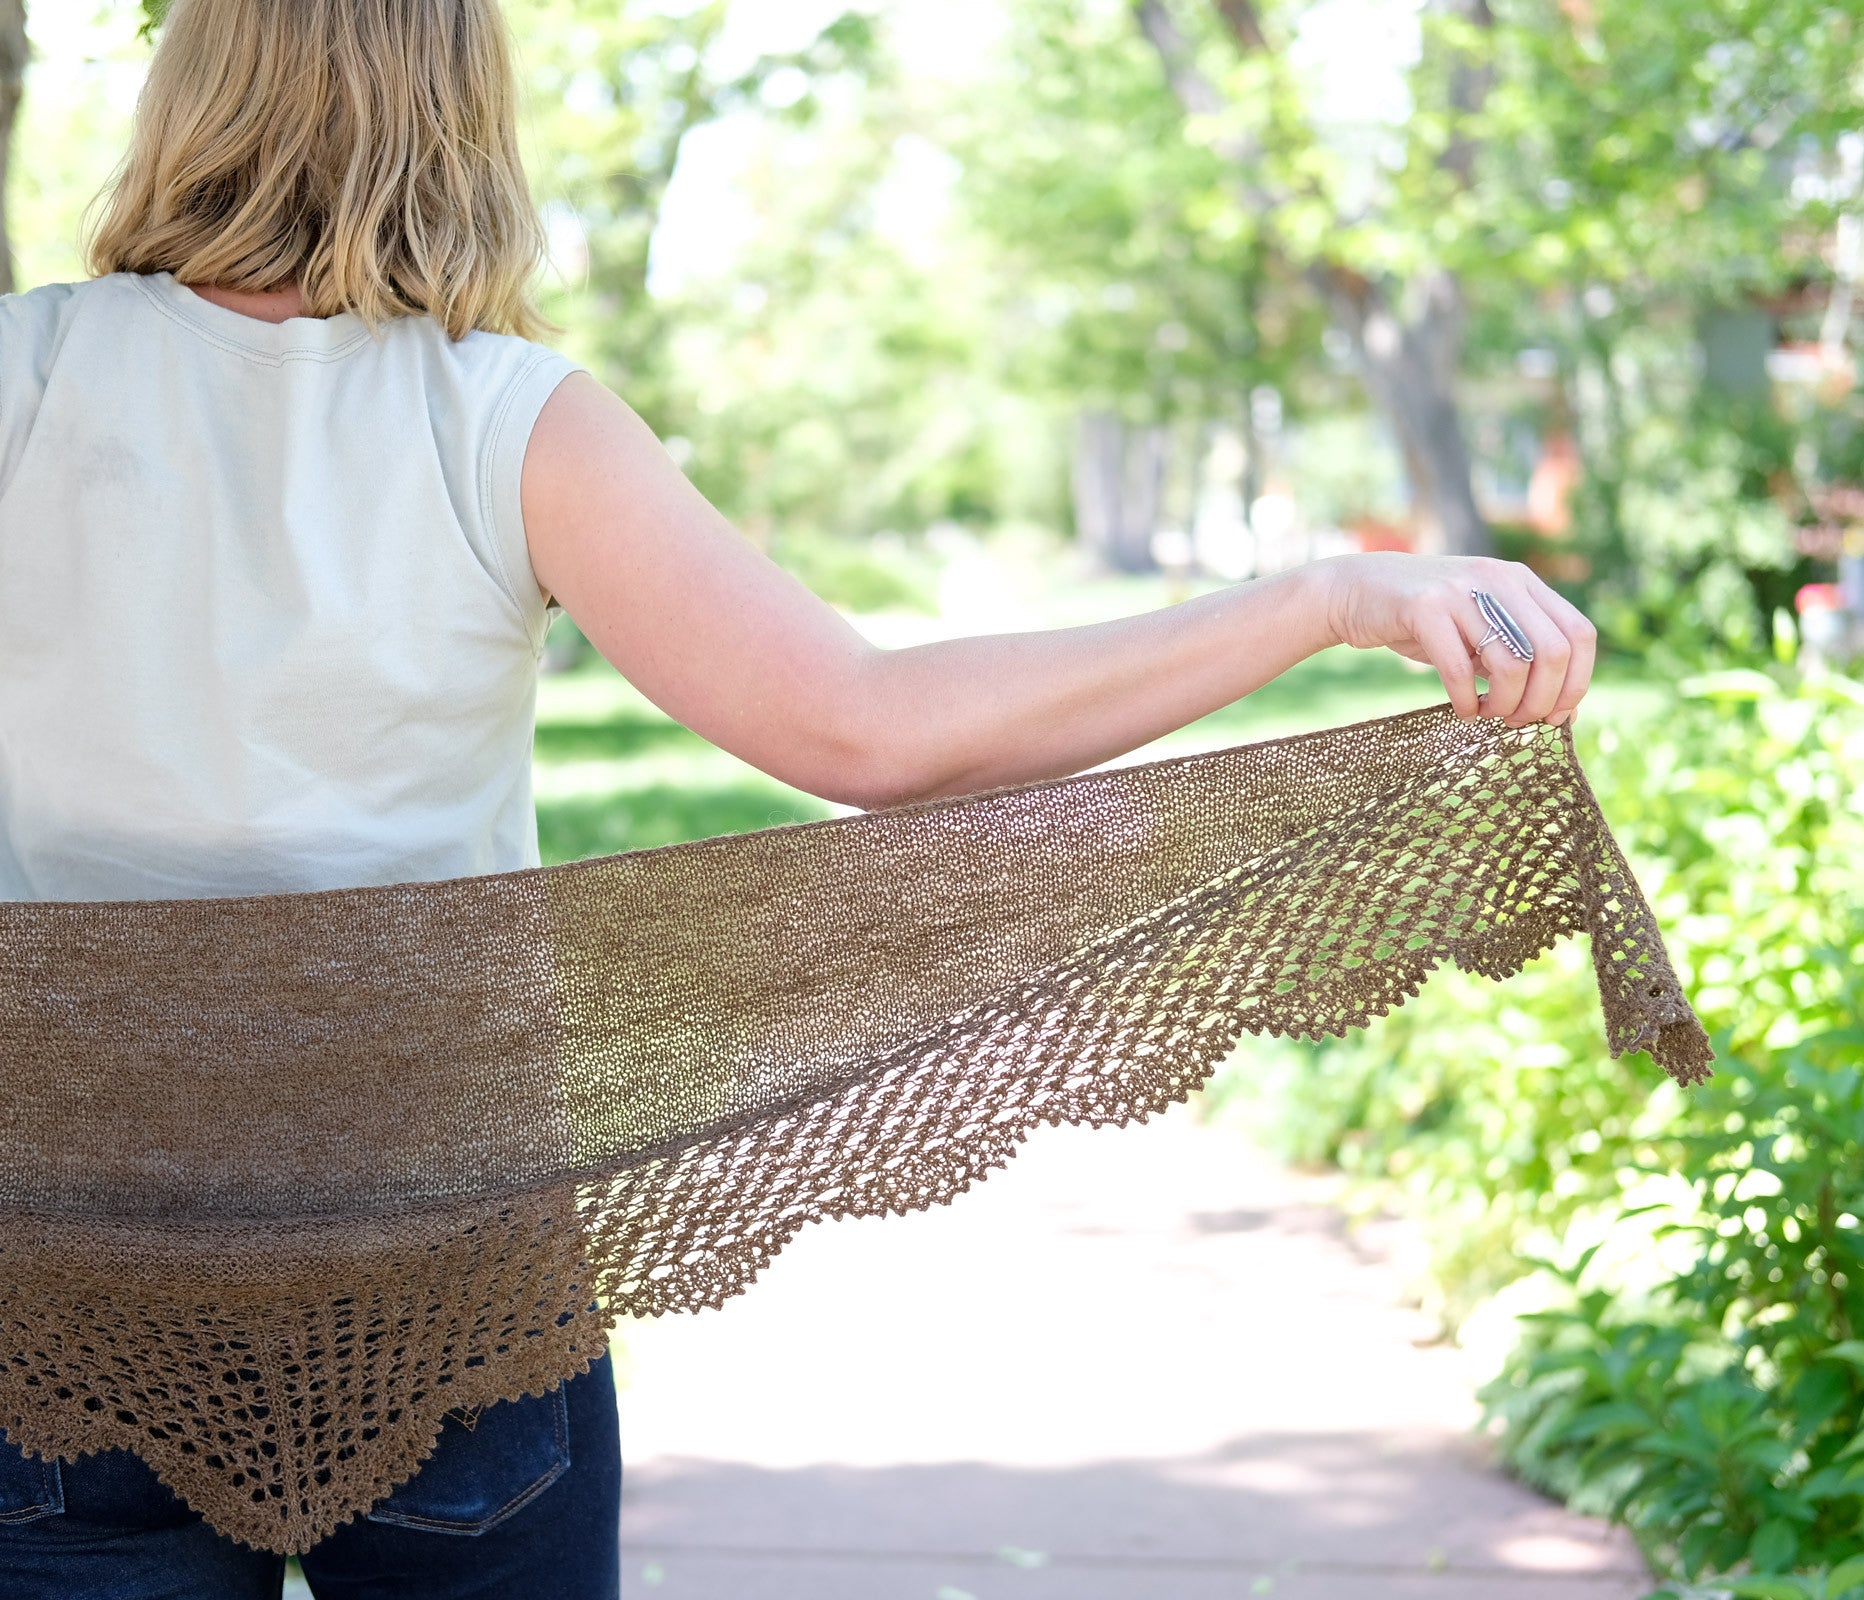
525 1504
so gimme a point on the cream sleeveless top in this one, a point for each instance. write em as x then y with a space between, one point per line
267 616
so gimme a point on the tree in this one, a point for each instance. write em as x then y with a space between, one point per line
1137 296
1581 175
14 50
1645 168
615 91
1405 328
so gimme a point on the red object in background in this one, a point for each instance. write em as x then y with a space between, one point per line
1550 488
1818 597
1373 534
1822 541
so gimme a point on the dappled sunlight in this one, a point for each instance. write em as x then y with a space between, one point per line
1141 1522
1159 1361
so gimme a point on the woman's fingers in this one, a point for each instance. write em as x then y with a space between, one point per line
1550 687
1424 608
1448 651
1507 675
1521 692
1582 644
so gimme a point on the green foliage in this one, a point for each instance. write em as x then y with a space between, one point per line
1138 283
72 128
1724 1420
1345 466
1494 1115
860 576
1690 525
810 422
1719 1411
1636 164
614 773
1642 143
1704 1379
615 91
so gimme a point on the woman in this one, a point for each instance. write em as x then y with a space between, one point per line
288 499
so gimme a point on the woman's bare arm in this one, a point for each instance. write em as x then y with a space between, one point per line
726 642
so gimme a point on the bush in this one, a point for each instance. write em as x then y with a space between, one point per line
860 576
1493 1115
1723 1421
1708 1386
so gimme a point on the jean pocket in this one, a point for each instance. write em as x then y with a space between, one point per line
487 1464
30 1488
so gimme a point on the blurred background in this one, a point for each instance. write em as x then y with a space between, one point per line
990 314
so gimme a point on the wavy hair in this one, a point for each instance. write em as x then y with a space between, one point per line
365 150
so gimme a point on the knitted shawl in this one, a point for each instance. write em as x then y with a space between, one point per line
286 1178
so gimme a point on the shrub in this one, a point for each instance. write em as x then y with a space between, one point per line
1708 1389
1493 1115
1723 1420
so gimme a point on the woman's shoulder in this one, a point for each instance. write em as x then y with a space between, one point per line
50 301
45 306
35 319
33 325
493 376
484 352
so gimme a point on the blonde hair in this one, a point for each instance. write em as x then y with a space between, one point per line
365 150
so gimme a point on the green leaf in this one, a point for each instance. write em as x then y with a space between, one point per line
1834 1483
1736 684
1609 1416
1775 1547
1768 1588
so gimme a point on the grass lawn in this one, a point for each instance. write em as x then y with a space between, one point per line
615 774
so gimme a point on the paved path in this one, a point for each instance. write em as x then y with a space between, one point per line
1138 1365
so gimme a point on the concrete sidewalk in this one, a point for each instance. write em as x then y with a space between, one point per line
1137 1365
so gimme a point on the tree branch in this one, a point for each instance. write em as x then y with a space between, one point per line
1239 16
1469 88
1202 98
1407 361
14 51
1195 92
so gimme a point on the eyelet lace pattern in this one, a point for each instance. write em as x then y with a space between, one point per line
284 1179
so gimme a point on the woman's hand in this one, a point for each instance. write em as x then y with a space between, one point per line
1421 607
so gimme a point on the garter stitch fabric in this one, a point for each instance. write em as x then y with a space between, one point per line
285 1178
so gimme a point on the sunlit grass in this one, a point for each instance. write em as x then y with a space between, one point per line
614 773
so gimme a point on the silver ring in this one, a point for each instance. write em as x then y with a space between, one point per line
1502 627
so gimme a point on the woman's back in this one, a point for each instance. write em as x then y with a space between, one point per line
267 618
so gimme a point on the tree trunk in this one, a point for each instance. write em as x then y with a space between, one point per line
1602 430
1408 353
1119 478
1409 365
13 51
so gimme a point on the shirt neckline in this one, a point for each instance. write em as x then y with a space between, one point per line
296 335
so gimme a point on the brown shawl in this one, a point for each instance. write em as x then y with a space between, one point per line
284 1179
